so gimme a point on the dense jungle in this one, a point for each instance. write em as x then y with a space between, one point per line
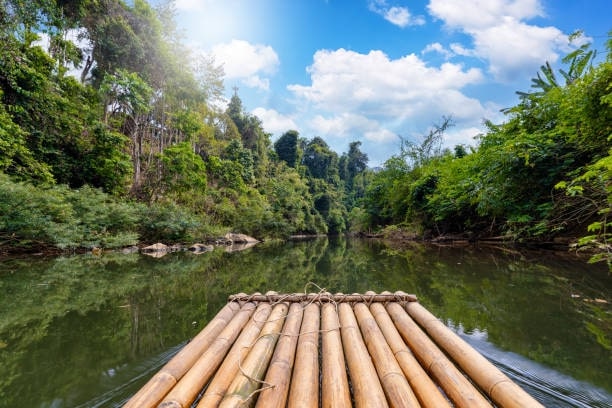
113 133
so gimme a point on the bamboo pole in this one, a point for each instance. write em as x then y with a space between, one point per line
425 389
394 383
281 365
503 391
188 387
243 388
305 379
227 372
335 388
367 389
323 298
162 382
461 392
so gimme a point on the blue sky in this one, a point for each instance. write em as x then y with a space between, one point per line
378 70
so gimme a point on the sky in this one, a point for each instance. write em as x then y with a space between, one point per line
379 71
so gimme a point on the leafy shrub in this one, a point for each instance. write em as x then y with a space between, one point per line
166 221
64 218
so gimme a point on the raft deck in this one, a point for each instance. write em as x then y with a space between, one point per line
324 350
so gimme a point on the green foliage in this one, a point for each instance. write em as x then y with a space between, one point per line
557 136
141 124
183 174
243 157
592 191
383 199
226 173
68 219
320 160
290 203
167 221
15 157
429 148
287 149
106 164
126 93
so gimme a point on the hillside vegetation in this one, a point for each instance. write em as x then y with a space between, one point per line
111 134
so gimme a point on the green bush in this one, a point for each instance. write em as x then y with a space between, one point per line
64 218
166 221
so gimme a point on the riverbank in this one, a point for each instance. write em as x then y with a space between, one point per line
565 247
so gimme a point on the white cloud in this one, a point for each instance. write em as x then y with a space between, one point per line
477 14
341 128
247 62
374 98
461 136
381 136
513 48
399 16
459 49
344 125
275 122
373 85
437 48
255 81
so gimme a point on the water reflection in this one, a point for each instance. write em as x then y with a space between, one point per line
88 331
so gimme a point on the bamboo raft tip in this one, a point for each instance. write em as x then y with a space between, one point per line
370 349
324 297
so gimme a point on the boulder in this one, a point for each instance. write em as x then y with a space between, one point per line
159 247
197 248
240 238
130 250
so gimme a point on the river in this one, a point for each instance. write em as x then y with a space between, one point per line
88 331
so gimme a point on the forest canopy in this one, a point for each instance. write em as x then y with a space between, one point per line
108 138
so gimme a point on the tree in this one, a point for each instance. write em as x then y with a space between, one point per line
235 110
579 61
286 148
320 160
15 157
430 147
243 157
357 161
184 173
126 98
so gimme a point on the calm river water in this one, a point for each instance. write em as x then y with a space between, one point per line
88 331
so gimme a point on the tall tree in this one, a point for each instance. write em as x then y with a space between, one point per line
235 110
320 160
357 161
127 99
286 148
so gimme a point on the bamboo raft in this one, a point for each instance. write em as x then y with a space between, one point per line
324 350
